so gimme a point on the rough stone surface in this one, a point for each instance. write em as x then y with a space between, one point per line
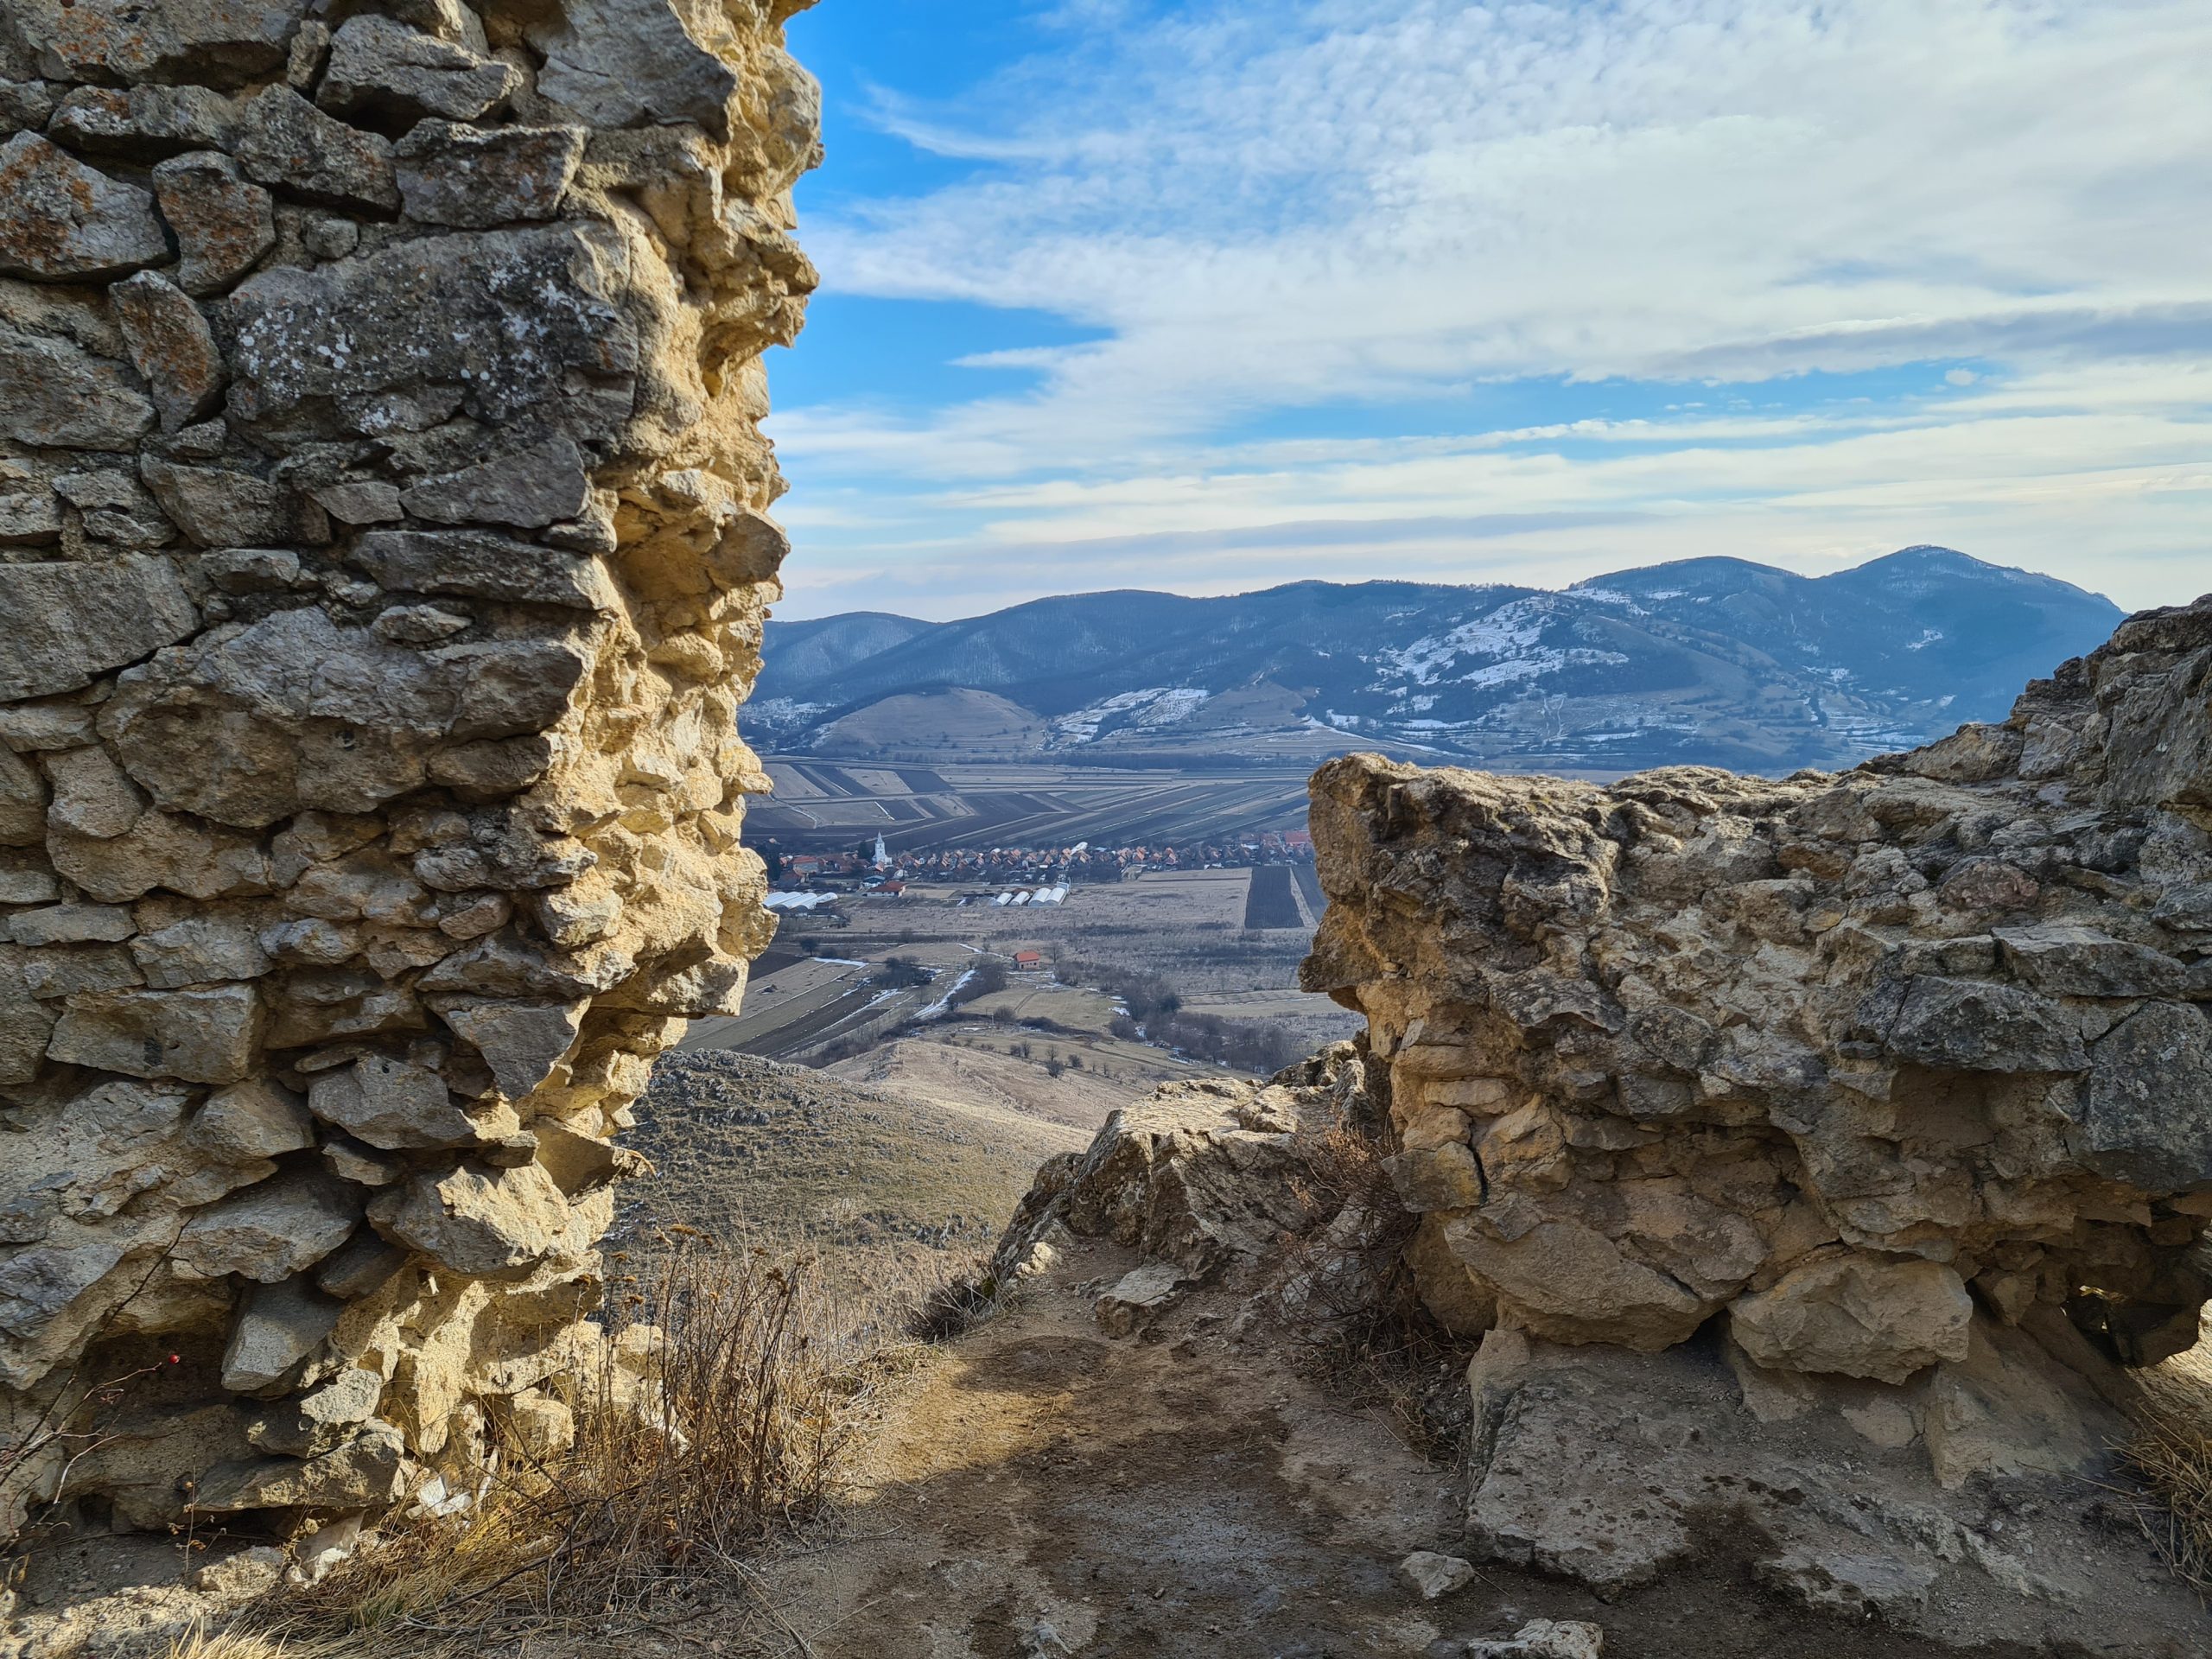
1433 1577
378 68
63 221
474 178
284 141
224 223
1614 1468
375 478
1841 1056
1544 1638
57 395
171 348
222 42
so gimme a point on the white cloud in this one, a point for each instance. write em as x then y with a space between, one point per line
1261 207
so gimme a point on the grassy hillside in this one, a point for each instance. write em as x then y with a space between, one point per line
785 1155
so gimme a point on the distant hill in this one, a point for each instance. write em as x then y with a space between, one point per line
1718 661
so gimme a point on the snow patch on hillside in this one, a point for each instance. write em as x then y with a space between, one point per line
1156 705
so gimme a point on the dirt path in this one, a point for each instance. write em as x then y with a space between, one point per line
1044 1490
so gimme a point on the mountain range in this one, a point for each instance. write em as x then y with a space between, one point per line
1716 661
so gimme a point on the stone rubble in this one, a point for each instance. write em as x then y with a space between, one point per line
1433 1576
384 552
1544 1638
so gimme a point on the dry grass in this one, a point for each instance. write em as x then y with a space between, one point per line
701 1437
243 1644
1349 1302
2172 1453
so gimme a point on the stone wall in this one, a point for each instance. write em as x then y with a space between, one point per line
1877 1064
383 557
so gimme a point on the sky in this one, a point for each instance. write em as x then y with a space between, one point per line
1212 295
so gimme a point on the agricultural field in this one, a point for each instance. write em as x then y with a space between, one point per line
820 806
890 977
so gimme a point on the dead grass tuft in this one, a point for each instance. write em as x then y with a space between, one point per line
246 1643
2170 1451
715 1423
1350 1304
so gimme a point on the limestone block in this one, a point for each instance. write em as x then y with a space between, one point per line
479 1222
1445 1177
363 502
2147 1117
69 622
359 1267
29 519
1544 1638
56 395
391 1104
61 220
1565 1280
522 1045
285 697
224 223
2072 959
381 68
22 802
528 488
632 63
271 1231
1431 1576
144 122
172 349
71 924
248 1121
67 969
320 1419
92 796
516 326
221 506
581 1164
26 105
1970 1025
223 43
285 142
198 950
161 850
206 1034
2005 1410
1139 1297
1859 1315
280 1327
367 1471
473 178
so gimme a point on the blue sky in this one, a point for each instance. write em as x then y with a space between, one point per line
1209 295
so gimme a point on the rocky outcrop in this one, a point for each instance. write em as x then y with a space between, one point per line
384 549
1890 1089
1856 1059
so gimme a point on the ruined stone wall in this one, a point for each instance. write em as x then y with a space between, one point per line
383 559
1878 1064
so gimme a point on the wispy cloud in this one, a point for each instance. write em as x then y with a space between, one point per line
1419 204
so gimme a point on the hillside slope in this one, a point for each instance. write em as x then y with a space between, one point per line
1719 661
744 1146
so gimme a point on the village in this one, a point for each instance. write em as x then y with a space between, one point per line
1032 871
